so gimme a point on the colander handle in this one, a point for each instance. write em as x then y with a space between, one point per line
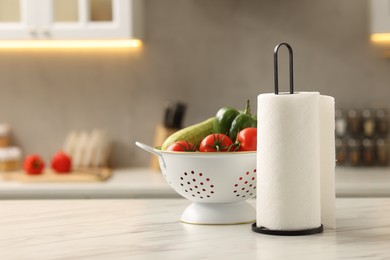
151 150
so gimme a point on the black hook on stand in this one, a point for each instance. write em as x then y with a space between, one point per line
290 65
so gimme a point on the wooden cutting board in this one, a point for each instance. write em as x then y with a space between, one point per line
79 175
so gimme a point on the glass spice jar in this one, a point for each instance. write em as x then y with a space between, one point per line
368 123
340 123
354 122
341 152
382 122
4 135
368 152
354 152
382 150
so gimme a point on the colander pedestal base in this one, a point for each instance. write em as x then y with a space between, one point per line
219 213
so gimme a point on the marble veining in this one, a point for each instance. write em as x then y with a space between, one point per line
148 229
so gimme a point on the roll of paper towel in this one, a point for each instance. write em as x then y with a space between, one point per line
295 161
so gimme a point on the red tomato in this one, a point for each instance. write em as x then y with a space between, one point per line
216 143
33 164
61 162
181 146
247 139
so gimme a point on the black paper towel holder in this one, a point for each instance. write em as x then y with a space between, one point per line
264 230
291 67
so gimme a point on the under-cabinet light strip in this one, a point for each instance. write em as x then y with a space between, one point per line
380 38
75 44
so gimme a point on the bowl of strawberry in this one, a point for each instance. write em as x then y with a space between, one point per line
213 164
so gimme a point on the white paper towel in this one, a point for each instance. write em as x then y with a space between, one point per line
293 129
327 161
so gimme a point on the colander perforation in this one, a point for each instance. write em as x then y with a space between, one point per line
245 185
197 184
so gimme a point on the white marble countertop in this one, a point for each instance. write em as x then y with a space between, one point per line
149 229
146 183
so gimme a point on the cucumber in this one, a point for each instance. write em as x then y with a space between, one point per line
192 134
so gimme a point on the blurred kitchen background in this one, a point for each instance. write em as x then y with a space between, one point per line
206 54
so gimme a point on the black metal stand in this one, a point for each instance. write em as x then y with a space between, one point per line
303 232
276 70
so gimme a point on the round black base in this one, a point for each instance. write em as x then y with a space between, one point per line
304 232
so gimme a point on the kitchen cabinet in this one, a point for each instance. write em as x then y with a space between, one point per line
70 19
380 25
380 16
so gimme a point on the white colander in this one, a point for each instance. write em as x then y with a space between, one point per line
217 183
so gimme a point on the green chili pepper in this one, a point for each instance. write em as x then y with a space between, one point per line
230 121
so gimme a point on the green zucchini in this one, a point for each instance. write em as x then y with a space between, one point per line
192 134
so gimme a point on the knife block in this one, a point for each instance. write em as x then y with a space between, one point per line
161 133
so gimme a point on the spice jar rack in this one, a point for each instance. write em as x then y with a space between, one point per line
362 137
